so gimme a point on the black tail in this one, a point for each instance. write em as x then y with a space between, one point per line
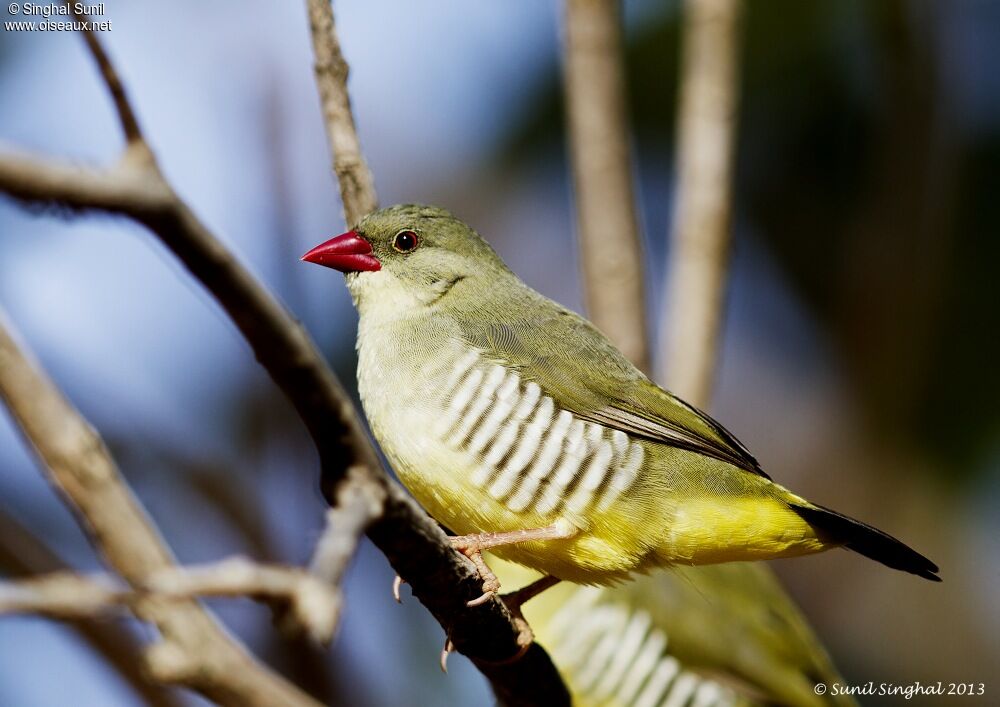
868 541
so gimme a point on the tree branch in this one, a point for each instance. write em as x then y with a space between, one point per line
414 545
357 188
80 467
346 521
64 595
699 256
314 603
23 554
68 595
126 116
607 224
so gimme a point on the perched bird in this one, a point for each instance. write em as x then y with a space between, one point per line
520 427
715 635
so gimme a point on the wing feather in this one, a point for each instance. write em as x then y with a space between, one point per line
584 373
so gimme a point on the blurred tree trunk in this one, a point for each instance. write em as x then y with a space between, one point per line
702 220
607 224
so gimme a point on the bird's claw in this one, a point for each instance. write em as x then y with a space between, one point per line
491 585
396 584
525 638
513 601
486 596
448 649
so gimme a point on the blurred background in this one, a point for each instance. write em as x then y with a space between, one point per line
860 351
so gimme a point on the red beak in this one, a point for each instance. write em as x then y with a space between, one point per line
348 252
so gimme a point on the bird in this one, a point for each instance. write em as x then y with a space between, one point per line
521 428
724 634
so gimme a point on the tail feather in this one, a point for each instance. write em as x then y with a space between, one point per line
868 541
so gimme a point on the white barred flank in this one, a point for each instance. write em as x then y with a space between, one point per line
657 684
613 654
484 397
533 454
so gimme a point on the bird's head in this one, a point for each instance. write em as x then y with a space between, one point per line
409 256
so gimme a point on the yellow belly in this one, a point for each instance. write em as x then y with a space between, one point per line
484 451
603 551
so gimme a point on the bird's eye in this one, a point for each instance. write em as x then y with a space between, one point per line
405 241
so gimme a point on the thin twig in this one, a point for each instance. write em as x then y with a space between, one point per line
126 116
608 228
194 651
699 255
357 187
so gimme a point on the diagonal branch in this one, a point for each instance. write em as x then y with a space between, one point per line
194 650
606 218
126 116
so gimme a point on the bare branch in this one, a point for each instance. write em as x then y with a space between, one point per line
23 554
699 255
68 595
346 521
605 204
357 188
63 595
129 187
79 465
126 116
315 604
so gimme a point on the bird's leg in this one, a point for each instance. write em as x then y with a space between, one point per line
514 601
472 546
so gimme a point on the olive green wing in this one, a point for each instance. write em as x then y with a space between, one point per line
584 373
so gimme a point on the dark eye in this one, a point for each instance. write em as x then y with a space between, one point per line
405 241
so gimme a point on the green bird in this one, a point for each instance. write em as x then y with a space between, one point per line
720 634
519 426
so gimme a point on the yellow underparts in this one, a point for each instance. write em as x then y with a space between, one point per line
698 531
710 530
